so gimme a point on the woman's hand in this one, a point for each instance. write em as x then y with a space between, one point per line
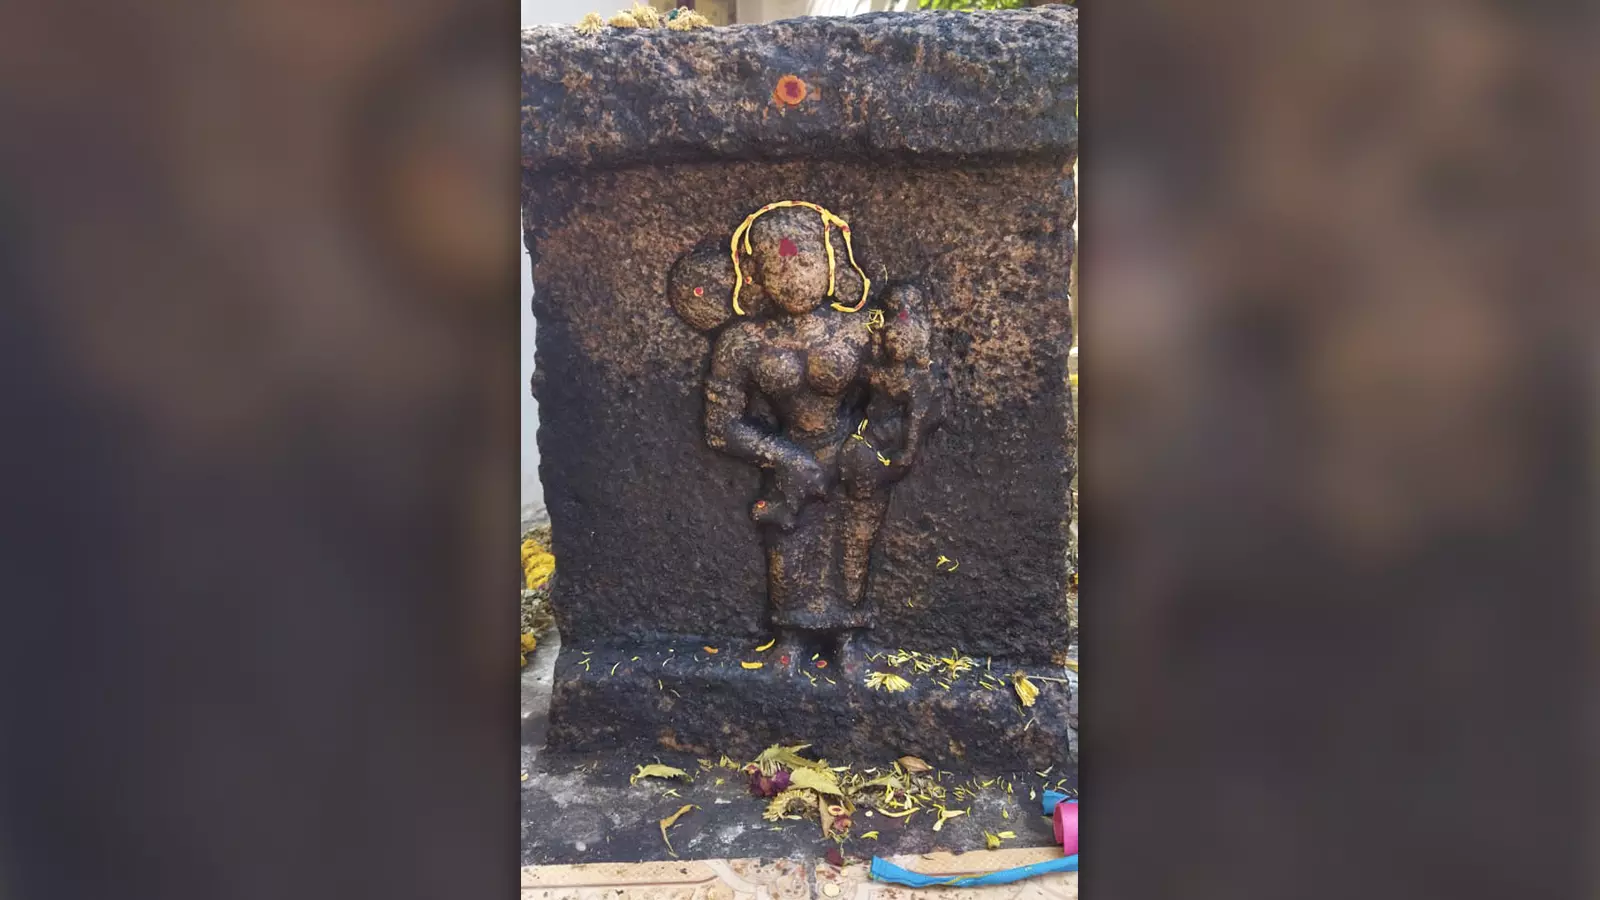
802 478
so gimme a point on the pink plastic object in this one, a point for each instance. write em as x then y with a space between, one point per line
1065 819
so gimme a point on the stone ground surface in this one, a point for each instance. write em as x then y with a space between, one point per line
788 879
581 809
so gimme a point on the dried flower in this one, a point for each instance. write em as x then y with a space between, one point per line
686 20
646 16
887 681
672 820
591 23
1027 691
769 785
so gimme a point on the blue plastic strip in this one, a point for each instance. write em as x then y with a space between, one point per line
883 870
1051 798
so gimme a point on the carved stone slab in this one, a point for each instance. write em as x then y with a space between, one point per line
946 143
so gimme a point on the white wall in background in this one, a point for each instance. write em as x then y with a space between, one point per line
566 12
850 7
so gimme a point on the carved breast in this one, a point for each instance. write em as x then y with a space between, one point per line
779 372
829 370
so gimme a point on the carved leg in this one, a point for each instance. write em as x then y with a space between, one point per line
863 517
791 644
850 655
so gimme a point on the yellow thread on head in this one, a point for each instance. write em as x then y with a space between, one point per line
829 220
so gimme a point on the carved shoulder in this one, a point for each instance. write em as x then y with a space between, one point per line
734 354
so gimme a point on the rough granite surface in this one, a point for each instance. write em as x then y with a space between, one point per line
947 142
925 84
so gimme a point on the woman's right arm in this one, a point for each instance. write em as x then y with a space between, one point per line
728 431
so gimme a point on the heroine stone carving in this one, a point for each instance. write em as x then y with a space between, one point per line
822 378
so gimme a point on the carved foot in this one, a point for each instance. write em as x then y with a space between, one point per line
850 655
790 651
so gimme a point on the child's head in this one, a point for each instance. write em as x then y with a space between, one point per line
700 288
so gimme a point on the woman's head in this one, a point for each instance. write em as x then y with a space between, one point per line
788 258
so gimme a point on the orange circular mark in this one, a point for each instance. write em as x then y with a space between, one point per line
822 664
789 90
699 292
749 279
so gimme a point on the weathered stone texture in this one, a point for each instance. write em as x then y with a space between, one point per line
935 84
947 142
651 526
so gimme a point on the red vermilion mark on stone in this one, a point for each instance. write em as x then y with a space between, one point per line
787 247
789 90
903 315
784 659
699 292
822 664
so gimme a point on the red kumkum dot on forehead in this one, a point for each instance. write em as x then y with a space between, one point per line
787 247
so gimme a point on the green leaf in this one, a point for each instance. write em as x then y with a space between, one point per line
821 781
657 770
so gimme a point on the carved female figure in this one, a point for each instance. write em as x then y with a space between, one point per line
830 394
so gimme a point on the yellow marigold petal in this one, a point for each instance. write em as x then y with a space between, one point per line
687 19
646 16
1027 691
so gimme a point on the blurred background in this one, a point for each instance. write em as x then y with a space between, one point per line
261 444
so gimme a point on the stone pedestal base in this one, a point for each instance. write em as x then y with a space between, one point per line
680 697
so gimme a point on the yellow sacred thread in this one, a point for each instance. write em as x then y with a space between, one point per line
829 220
